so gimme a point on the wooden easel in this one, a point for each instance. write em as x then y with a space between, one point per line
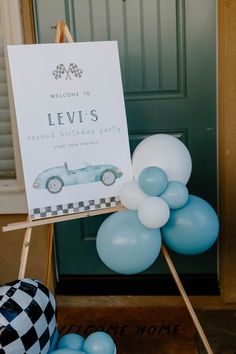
61 33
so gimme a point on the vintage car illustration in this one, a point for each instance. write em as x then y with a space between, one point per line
54 179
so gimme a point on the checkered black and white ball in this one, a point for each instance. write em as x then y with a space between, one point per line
27 317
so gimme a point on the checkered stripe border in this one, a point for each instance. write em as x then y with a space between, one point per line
76 207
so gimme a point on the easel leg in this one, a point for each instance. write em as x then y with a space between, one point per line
186 300
49 256
24 252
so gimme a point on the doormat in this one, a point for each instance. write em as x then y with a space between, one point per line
164 330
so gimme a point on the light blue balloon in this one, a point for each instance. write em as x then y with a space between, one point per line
153 180
175 195
71 341
125 245
68 351
99 343
54 341
192 229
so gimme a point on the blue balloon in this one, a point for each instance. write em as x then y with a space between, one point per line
125 245
99 343
192 229
71 341
153 180
175 195
54 341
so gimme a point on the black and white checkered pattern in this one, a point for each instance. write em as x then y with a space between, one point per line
60 70
27 317
73 68
76 207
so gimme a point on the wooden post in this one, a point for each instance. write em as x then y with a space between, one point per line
24 252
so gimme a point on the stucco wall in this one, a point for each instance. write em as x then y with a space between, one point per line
11 245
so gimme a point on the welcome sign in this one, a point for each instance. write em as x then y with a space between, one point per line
72 126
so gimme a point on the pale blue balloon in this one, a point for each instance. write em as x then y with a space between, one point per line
175 195
99 343
153 180
54 341
192 229
71 341
125 245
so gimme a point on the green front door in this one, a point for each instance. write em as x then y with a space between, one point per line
168 61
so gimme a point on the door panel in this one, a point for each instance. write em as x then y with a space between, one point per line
168 61
150 35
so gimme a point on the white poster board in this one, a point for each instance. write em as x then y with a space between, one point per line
72 126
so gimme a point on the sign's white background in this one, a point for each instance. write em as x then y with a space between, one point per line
99 88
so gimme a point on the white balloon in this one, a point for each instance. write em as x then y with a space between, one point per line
131 195
154 212
164 151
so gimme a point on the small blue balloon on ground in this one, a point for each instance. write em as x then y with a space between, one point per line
99 343
153 180
71 341
192 229
175 195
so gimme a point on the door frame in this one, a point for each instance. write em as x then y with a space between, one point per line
226 136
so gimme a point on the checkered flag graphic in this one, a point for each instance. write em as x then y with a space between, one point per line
73 68
27 317
59 72
75 207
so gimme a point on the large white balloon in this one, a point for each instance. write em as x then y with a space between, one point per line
154 212
164 151
131 195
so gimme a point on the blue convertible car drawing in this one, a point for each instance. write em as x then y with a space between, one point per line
54 179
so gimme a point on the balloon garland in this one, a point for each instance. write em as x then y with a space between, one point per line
159 208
